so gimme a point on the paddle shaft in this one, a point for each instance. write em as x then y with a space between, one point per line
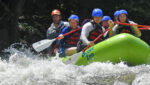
69 32
95 39
146 28
127 24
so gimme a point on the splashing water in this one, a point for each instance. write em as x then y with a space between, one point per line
26 68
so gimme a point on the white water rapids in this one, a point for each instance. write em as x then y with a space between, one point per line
26 68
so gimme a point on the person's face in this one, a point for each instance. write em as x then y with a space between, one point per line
105 24
97 19
73 24
122 18
56 19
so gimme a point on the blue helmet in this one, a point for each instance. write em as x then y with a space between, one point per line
97 12
123 12
116 13
74 17
106 18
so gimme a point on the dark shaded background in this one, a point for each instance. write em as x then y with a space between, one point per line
27 21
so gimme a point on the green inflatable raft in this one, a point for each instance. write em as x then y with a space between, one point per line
122 47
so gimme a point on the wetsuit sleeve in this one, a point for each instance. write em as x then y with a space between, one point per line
87 28
61 42
106 33
65 30
114 30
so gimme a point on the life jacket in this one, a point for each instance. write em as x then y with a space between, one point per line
95 33
72 39
125 29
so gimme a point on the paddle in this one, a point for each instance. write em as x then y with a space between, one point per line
127 24
74 57
43 44
148 28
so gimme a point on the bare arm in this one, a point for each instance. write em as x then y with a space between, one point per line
111 25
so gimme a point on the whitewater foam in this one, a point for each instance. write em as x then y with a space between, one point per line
27 68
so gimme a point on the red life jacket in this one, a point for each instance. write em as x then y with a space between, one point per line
95 33
72 39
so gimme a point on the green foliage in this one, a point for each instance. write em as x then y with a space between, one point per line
36 13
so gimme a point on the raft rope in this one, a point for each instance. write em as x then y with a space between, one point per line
143 27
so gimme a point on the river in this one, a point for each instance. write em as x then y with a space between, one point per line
27 68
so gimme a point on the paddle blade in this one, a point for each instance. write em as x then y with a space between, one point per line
73 59
43 44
